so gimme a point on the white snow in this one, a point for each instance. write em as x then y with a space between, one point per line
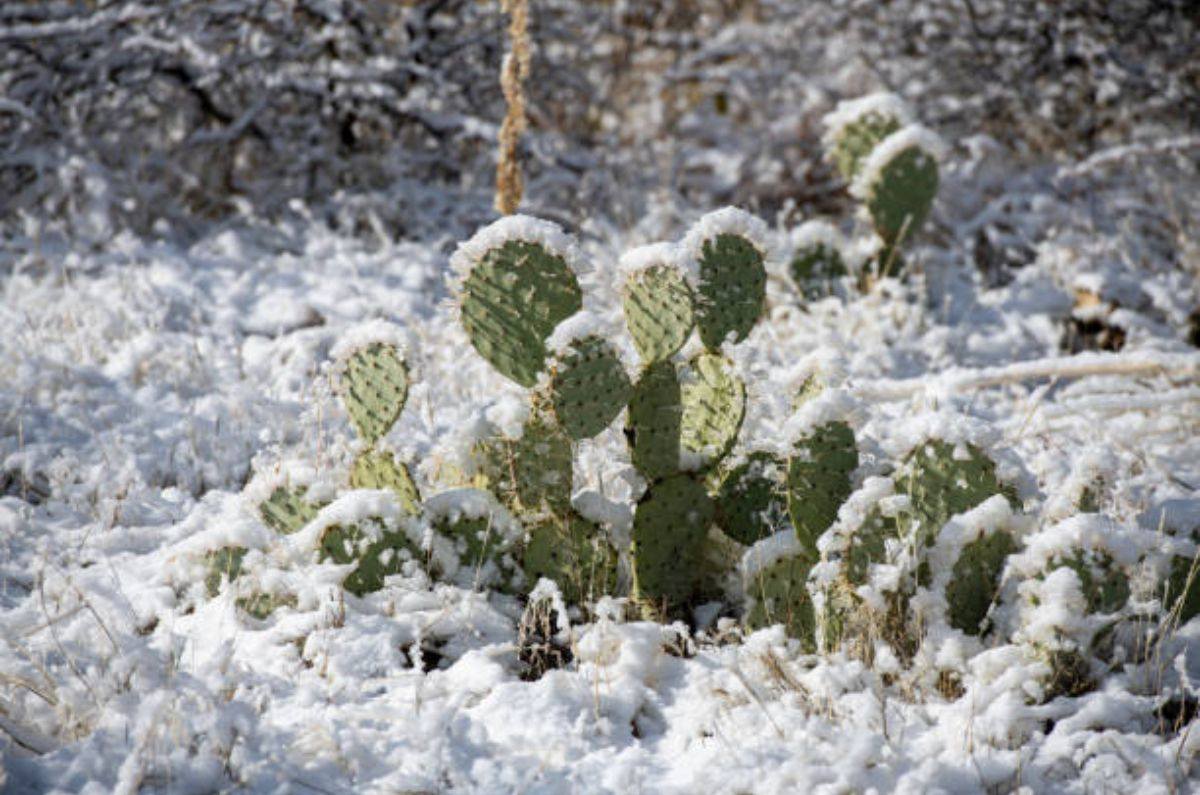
848 111
524 228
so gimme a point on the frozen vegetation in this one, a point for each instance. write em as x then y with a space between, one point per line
886 481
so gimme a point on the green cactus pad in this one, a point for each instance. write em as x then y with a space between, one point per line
575 554
511 301
1180 595
1105 586
534 473
779 595
732 289
659 311
374 388
714 405
670 525
286 510
815 269
655 420
376 558
588 387
379 469
225 565
752 499
484 537
856 140
818 480
975 580
902 195
941 484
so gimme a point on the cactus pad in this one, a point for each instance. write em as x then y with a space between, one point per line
379 469
377 557
655 418
1105 586
975 580
818 480
778 594
374 387
1182 596
511 301
714 404
902 194
225 564
588 387
533 473
482 534
942 482
659 311
732 289
752 499
815 268
573 552
286 510
670 525
858 138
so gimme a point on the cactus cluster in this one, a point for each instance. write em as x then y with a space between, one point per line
844 551
890 164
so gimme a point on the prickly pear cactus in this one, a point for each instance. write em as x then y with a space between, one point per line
777 593
379 469
575 554
1105 585
286 510
655 421
374 388
483 534
975 580
379 552
514 296
670 525
818 479
815 268
902 193
588 387
225 566
943 480
1181 595
751 501
534 473
731 294
659 311
714 405
856 139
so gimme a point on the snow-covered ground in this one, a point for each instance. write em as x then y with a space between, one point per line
144 384
151 385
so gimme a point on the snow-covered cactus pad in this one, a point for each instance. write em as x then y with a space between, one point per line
286 510
655 419
816 261
714 404
775 575
374 388
726 251
518 283
670 526
588 386
966 563
658 303
378 552
898 183
857 126
819 479
532 473
379 469
574 553
224 565
484 536
943 479
752 498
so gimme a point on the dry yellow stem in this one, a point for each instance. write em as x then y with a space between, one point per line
513 73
